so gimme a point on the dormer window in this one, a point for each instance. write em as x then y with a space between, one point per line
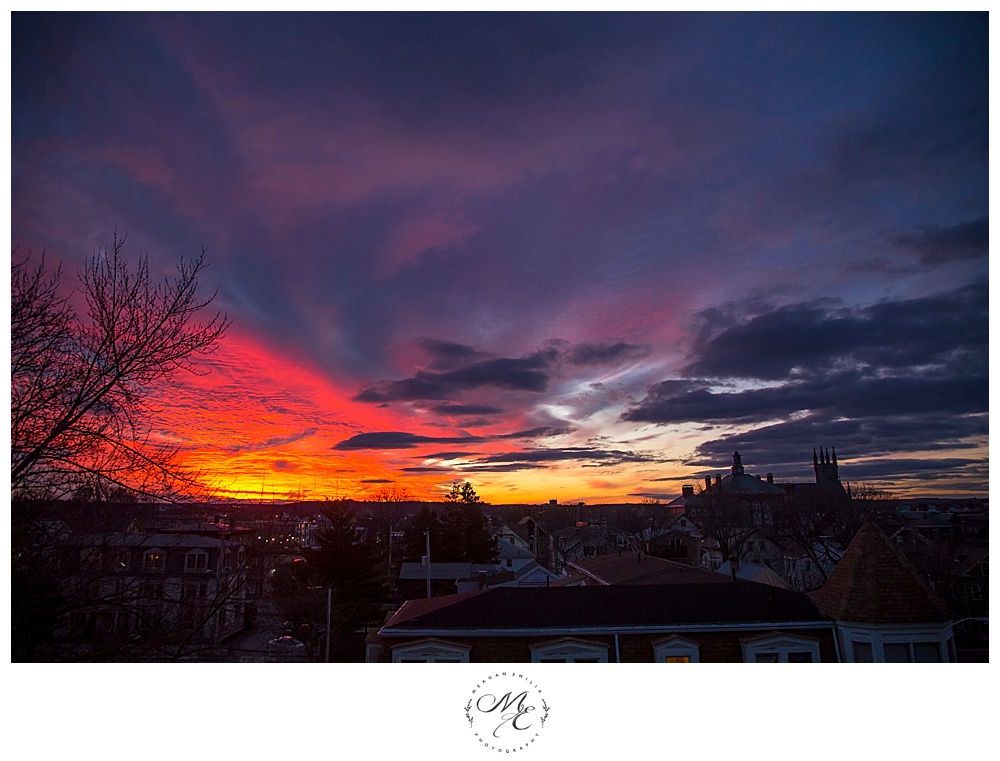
154 560
781 648
570 651
430 651
196 560
675 650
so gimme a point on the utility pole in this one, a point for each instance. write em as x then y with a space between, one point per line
329 606
427 536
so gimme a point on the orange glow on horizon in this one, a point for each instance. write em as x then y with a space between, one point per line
258 426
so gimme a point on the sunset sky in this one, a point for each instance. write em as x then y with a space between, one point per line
560 256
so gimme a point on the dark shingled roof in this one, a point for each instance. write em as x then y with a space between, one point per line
875 583
560 608
627 568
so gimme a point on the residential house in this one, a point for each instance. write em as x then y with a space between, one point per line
883 609
168 587
586 541
663 623
636 568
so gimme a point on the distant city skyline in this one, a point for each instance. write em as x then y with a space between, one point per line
574 256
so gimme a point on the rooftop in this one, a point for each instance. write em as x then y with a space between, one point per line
558 609
875 583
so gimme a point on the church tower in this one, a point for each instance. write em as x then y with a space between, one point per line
825 467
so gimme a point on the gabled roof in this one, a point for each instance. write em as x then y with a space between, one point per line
753 572
512 551
635 568
562 609
976 556
875 583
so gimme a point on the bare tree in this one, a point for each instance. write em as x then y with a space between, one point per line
387 518
81 387
728 519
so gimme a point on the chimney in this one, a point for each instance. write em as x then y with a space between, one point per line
770 478
708 483
687 491
423 561
482 579
718 480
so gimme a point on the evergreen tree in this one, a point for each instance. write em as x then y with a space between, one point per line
350 565
464 494
467 534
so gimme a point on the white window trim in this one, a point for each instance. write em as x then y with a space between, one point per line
780 645
880 636
569 651
673 647
430 651
190 567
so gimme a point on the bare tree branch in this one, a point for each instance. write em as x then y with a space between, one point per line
81 387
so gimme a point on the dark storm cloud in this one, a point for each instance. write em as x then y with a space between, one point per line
504 468
812 337
531 459
376 481
890 377
531 373
398 440
849 394
786 448
940 245
929 469
465 409
403 440
604 456
445 455
447 354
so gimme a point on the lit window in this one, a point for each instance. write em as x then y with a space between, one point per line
675 650
154 560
